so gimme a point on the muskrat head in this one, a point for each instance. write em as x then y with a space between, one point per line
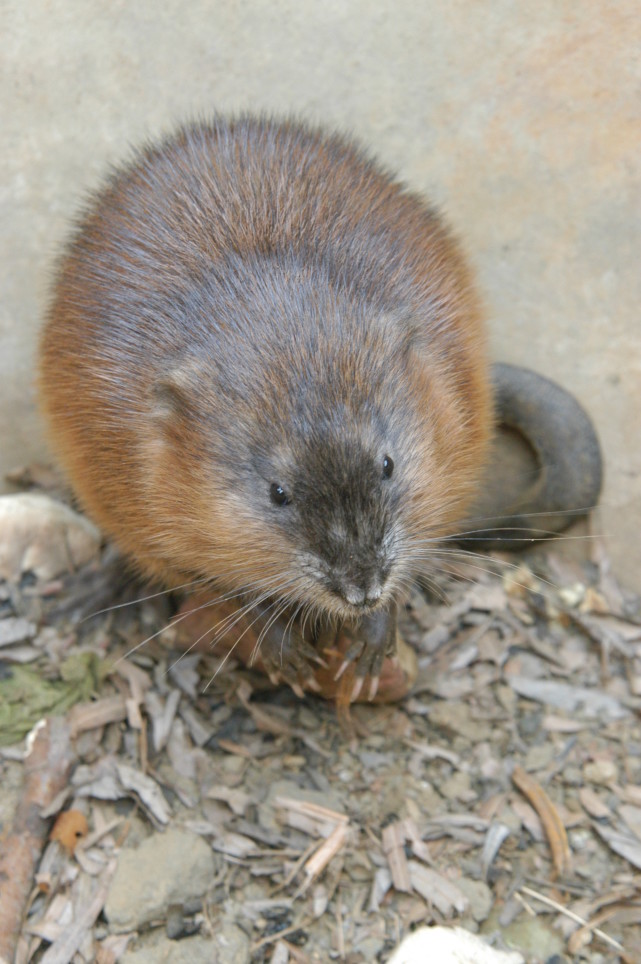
310 453
285 482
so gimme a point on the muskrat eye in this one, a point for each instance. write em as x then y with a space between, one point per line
278 495
388 466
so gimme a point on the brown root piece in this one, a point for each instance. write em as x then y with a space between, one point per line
46 772
549 815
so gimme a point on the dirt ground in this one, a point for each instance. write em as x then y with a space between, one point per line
208 815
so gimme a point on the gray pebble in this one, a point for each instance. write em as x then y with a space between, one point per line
167 868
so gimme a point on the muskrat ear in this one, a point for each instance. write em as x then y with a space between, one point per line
417 331
173 391
408 331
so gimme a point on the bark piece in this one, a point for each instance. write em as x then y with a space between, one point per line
47 768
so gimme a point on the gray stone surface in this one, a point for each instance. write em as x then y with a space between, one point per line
157 949
228 946
520 120
167 868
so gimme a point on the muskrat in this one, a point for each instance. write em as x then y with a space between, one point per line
264 366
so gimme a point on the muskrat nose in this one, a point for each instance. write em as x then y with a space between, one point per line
362 596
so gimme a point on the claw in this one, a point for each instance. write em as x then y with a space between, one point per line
373 687
342 668
356 689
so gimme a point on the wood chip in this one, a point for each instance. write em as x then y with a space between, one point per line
495 837
603 633
394 850
15 630
380 886
431 752
21 654
528 817
572 699
138 680
622 842
236 748
311 818
632 817
561 724
199 730
437 889
592 803
88 716
235 845
63 949
147 791
236 799
162 713
326 852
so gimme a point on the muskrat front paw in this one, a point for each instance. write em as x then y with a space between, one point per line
374 639
287 657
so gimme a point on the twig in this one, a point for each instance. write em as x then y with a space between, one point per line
276 936
340 934
575 917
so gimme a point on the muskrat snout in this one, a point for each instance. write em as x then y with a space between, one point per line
363 582
364 596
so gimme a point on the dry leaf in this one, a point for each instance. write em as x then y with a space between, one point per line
69 829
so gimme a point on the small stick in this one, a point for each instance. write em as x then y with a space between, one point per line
277 936
575 917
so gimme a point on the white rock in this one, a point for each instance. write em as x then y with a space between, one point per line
41 535
450 945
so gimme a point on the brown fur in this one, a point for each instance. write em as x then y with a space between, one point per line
251 301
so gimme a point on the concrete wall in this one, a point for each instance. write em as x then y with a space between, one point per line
521 120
